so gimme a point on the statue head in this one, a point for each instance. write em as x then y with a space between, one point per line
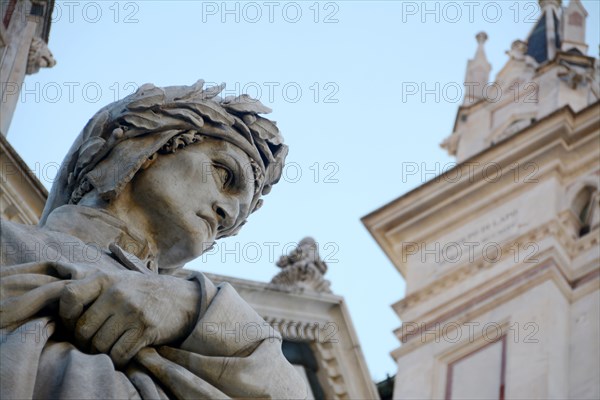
174 149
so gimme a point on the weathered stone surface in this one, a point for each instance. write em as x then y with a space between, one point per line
302 269
39 56
94 301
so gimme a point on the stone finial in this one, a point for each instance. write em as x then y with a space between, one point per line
481 37
478 72
302 269
39 56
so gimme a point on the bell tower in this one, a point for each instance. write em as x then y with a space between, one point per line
501 253
547 71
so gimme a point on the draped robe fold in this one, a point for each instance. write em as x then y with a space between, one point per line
230 353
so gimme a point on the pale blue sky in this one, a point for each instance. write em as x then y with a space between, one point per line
333 72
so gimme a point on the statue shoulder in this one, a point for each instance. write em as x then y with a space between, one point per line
21 243
13 237
14 231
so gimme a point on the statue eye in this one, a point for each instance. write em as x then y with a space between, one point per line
225 175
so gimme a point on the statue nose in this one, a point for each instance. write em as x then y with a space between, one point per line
226 212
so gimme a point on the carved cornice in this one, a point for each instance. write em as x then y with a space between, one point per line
560 229
335 378
319 329
322 335
562 129
490 299
300 330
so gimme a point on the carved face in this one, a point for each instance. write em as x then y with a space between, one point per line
190 197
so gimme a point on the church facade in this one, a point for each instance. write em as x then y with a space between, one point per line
24 32
501 253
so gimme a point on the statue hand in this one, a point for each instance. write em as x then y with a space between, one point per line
129 311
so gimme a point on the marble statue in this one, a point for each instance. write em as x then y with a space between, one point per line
94 300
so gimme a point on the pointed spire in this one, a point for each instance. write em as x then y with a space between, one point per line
478 72
550 9
481 38
544 40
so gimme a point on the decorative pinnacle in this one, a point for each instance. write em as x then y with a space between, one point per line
481 37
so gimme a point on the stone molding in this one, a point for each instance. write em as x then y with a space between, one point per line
507 290
335 378
556 228
22 195
317 334
299 330
323 322
563 129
